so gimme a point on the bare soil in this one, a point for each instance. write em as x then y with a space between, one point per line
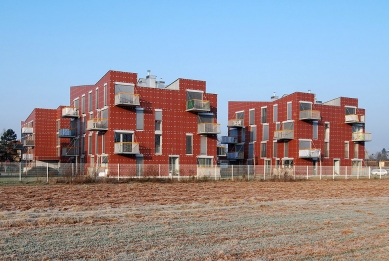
305 220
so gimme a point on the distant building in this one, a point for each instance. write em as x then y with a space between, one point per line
298 130
123 119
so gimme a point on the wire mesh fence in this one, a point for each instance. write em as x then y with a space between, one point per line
69 172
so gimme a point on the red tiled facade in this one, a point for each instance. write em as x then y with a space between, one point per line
296 130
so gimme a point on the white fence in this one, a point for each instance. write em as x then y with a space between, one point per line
45 171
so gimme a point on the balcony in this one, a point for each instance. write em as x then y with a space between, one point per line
284 135
67 133
28 143
309 153
309 115
221 151
362 136
27 130
198 105
27 157
235 155
208 128
126 148
229 140
355 118
69 151
97 125
127 99
237 123
70 112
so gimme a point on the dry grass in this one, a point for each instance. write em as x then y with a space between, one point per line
313 220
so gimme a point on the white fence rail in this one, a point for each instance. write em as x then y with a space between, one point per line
11 172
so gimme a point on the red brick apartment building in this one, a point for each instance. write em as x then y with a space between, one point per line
298 130
123 119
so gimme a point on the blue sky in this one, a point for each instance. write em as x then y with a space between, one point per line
245 50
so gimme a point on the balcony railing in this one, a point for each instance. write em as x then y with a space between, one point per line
235 123
70 112
235 155
229 140
355 118
362 136
208 128
309 153
69 151
27 130
284 135
221 151
309 115
27 157
126 148
198 105
127 99
28 143
67 133
97 124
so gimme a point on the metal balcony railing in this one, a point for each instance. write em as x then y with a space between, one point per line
235 123
229 140
361 136
67 133
309 115
97 124
309 153
70 112
198 105
27 130
127 99
354 118
208 128
28 143
235 155
70 151
284 135
126 148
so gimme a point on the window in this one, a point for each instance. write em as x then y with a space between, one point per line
97 144
356 150
139 119
204 162
289 110
251 116
305 106
189 143
90 144
350 110
278 126
97 98
76 103
263 149
123 136
83 104
158 144
286 149
105 95
327 132
253 133
240 115
243 138
90 102
194 95
288 125
139 165
265 132
275 113
346 150
158 120
82 145
275 149
315 130
251 150
203 145
304 144
264 115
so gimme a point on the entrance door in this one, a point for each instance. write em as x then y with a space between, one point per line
337 167
174 166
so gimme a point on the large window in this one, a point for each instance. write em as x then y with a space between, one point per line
105 95
289 110
204 162
123 136
275 147
97 98
286 149
251 116
350 110
263 149
356 150
265 132
90 102
326 149
83 104
90 144
158 120
251 150
346 150
275 113
315 130
203 145
253 133
264 115
240 115
158 144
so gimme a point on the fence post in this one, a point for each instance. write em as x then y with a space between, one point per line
47 172
307 173
369 172
118 171
264 176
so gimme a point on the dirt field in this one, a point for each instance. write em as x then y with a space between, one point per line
307 220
